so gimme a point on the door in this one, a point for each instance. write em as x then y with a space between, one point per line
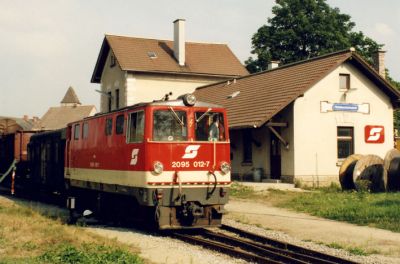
275 157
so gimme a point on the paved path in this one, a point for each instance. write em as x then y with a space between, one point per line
307 227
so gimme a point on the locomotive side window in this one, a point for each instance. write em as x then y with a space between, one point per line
77 130
119 125
109 122
209 126
169 125
136 127
85 129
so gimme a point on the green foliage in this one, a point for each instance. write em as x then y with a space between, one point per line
88 254
240 191
396 113
302 29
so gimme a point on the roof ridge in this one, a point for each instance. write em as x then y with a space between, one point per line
283 66
146 38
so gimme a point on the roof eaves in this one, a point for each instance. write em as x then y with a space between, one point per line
101 60
183 73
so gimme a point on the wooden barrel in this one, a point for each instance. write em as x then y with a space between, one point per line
391 172
368 174
346 172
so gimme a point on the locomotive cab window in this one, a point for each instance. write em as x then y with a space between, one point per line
85 132
169 125
119 125
109 123
77 130
209 126
136 127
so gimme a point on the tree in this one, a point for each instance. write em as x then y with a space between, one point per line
302 29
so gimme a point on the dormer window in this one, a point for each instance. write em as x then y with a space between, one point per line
152 54
344 82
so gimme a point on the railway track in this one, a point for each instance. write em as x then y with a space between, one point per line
255 248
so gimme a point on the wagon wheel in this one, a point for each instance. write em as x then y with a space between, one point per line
368 174
346 172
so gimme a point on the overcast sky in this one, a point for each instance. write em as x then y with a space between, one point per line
48 45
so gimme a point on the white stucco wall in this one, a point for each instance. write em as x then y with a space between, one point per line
112 78
146 87
315 133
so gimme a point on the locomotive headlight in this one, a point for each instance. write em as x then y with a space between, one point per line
225 167
158 167
189 99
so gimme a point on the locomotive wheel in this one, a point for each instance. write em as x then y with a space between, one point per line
393 175
390 180
368 174
346 172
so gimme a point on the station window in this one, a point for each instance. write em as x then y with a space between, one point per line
117 99
344 82
247 146
109 123
119 125
345 142
109 97
77 130
136 127
85 128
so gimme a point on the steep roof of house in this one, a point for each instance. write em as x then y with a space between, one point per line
132 54
70 97
59 117
7 122
263 95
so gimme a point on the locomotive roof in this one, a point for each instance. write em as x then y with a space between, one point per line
157 103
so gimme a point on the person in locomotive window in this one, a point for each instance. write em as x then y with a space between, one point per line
221 129
213 132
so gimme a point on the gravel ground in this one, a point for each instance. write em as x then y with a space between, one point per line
157 249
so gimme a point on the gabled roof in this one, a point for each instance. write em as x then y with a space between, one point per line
15 123
59 117
132 54
70 97
263 95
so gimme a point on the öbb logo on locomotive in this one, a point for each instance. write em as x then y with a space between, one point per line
374 134
135 154
191 152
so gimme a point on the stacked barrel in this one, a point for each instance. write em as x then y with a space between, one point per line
371 173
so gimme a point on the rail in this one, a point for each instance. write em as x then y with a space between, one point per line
255 248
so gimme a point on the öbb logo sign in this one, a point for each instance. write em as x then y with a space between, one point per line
191 152
374 134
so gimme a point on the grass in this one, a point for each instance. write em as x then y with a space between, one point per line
381 210
26 236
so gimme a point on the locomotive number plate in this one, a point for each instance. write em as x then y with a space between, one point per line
187 164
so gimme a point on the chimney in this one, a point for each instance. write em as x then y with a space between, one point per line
179 41
378 60
273 64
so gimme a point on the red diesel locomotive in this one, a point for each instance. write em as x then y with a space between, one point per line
167 161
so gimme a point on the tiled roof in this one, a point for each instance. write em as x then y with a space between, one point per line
132 54
265 94
70 97
59 117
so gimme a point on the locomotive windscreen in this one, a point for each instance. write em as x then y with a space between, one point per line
169 125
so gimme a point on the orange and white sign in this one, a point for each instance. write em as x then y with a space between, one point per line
374 134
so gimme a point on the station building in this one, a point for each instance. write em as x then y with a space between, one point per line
300 121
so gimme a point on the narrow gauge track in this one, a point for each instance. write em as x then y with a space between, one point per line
255 248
